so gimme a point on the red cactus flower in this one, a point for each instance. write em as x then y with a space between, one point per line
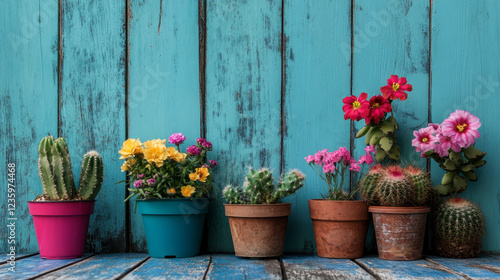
378 107
356 108
396 88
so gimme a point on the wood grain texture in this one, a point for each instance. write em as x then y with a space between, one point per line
102 266
243 83
317 78
419 269
4 257
28 78
163 88
232 267
466 76
483 267
35 266
92 106
314 267
182 268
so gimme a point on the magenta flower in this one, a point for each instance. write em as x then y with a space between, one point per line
329 168
355 167
207 145
396 88
445 144
151 181
200 140
213 163
424 140
462 127
138 184
433 127
368 159
309 159
176 138
193 150
370 149
140 176
356 108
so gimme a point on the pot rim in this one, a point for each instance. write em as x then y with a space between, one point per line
399 210
261 205
171 199
61 201
341 201
258 210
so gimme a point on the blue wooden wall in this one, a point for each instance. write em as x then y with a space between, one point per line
262 79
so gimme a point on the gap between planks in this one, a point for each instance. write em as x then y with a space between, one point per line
127 272
366 268
447 269
61 267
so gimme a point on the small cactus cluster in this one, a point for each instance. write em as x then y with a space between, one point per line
397 186
259 187
458 228
54 167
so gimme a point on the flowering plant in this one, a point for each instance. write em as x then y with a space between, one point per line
451 144
380 127
158 171
332 167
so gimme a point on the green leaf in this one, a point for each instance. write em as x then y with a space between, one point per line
386 144
393 121
376 137
380 154
479 163
395 153
470 175
459 183
387 127
456 157
368 136
472 153
362 132
449 165
447 178
466 168
444 190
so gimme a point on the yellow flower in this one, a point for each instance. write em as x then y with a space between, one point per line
130 147
155 151
187 191
125 167
199 174
171 191
128 163
172 153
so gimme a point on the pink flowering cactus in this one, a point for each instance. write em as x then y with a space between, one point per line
332 166
451 144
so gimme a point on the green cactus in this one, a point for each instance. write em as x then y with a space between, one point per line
369 183
91 175
63 174
421 185
45 169
394 188
458 228
259 187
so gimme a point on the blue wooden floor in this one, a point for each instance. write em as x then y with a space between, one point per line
140 266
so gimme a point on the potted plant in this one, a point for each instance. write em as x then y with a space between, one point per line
256 216
172 190
399 199
61 214
458 223
340 223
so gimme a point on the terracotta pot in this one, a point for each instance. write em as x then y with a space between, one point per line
258 231
340 227
399 231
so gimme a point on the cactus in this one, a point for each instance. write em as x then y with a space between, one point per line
421 185
63 174
369 183
393 187
91 175
45 169
259 187
458 228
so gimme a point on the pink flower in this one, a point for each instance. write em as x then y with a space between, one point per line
444 145
140 176
138 184
329 168
193 150
462 127
151 181
309 159
368 159
396 88
424 140
355 167
318 157
379 105
176 138
370 149
433 127
207 145
356 108
200 140
213 163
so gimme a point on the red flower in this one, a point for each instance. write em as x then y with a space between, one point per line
396 88
378 107
356 108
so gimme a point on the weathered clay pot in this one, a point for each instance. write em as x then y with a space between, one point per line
258 231
339 227
399 231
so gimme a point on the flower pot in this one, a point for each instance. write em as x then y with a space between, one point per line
399 231
340 227
173 227
61 227
258 230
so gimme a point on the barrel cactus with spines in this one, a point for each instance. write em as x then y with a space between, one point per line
259 188
394 188
421 185
91 175
458 228
369 183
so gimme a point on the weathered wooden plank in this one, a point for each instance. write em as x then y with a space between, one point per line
466 76
232 267
92 106
4 257
243 101
163 87
182 268
483 267
392 37
101 266
313 121
420 269
314 267
35 266
28 102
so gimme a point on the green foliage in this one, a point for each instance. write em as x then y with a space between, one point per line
383 137
259 188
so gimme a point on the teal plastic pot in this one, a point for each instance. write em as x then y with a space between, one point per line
173 227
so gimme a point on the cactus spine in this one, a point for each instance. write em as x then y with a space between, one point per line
91 175
421 185
458 228
259 187
393 188
63 174
369 183
45 169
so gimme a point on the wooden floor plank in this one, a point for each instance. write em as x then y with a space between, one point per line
182 268
232 267
102 266
420 269
314 267
483 267
34 266
4 257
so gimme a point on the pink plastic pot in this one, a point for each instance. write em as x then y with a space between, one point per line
61 227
